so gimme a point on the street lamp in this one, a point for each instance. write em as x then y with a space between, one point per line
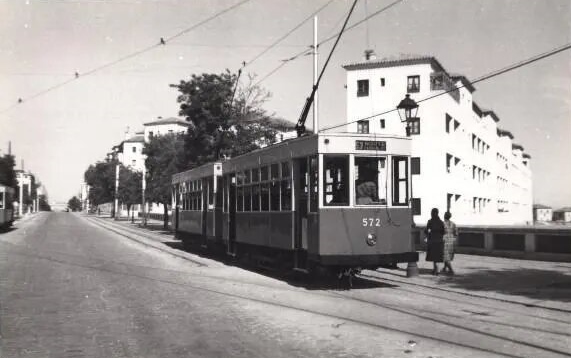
144 187
407 110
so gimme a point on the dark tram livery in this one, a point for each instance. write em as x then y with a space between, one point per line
6 210
327 202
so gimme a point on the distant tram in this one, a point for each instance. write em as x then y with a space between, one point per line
6 210
333 203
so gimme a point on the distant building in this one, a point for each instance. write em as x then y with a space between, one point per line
462 161
542 213
24 190
563 214
163 126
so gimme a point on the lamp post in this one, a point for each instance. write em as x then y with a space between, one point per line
407 110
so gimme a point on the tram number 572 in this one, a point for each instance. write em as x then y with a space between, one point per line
371 222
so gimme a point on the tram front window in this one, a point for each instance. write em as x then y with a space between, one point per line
370 180
336 180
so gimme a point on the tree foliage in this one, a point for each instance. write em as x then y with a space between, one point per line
101 179
74 204
165 157
130 187
43 204
7 172
222 124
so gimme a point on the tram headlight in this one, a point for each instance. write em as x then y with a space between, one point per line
371 239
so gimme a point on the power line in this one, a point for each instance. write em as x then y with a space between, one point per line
162 42
485 77
275 43
306 52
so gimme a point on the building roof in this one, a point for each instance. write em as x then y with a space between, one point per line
135 138
516 146
465 82
477 109
492 114
565 209
394 61
170 120
541 206
505 133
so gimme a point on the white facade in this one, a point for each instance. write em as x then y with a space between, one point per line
467 165
164 126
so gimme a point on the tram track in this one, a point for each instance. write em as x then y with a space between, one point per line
243 289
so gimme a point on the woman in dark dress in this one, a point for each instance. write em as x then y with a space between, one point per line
435 244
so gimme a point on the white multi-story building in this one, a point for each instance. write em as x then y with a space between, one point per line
164 126
462 161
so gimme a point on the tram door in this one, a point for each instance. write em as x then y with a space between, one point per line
301 187
231 184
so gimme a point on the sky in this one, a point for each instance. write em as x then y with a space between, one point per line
59 133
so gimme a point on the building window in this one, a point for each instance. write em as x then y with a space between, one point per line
382 82
448 162
363 127
415 165
170 131
413 84
134 149
362 88
134 162
448 121
415 126
382 122
150 134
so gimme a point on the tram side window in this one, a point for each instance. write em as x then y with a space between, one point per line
313 179
275 187
219 197
370 181
400 181
265 196
240 201
286 187
247 198
1 200
336 180
255 197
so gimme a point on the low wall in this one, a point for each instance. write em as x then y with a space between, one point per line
524 242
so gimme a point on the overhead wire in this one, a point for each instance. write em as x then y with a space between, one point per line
306 52
163 41
482 78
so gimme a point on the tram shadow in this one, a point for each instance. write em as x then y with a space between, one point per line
293 278
5 230
532 283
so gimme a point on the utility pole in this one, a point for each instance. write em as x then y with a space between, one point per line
315 74
117 191
144 182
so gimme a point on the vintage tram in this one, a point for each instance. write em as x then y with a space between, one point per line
335 202
6 210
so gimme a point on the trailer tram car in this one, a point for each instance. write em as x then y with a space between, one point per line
6 210
334 203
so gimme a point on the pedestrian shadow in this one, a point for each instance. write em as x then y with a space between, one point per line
297 279
531 283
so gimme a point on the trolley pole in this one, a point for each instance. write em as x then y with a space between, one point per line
315 74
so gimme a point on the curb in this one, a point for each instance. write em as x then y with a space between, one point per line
148 242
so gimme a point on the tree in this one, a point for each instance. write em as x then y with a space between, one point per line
74 204
7 172
43 204
222 124
130 187
165 157
101 179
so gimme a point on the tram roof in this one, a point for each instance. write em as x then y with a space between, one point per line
336 143
202 171
6 189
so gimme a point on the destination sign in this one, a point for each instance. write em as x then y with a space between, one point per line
370 145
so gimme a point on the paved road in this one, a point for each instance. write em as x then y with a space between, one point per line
69 288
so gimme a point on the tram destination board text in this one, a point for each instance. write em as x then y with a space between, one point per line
370 145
